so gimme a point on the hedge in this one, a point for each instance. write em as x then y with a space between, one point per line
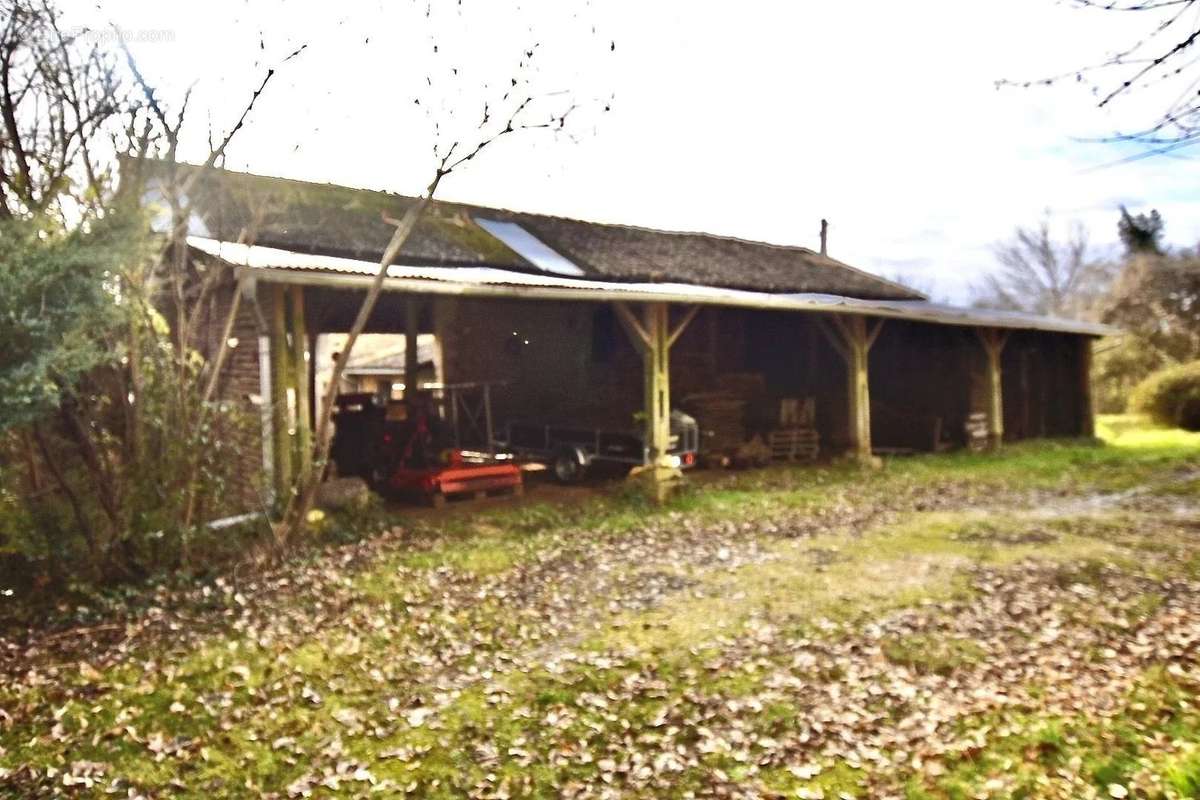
1170 396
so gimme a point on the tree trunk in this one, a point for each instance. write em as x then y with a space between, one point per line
81 518
301 501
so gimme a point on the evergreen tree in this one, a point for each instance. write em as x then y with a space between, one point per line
1141 233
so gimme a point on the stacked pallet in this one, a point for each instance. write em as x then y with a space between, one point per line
796 438
797 412
794 444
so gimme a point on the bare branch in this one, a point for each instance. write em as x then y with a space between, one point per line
1179 123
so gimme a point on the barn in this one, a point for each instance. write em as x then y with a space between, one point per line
613 326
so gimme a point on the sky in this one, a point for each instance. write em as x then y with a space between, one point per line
752 119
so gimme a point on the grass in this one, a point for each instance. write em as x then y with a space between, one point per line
922 557
1075 755
531 693
932 655
1132 431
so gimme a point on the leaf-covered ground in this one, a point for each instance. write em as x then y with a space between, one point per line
1016 625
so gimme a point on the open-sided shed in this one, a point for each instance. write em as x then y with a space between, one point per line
597 322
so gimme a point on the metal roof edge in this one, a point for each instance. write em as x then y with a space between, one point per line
281 266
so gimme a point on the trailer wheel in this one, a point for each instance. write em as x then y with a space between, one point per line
569 465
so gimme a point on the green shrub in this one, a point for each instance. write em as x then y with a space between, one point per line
1170 397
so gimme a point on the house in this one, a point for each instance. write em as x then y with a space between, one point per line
596 322
377 365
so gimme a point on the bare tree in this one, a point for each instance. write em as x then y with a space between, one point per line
1161 58
1041 276
125 439
64 113
170 276
515 106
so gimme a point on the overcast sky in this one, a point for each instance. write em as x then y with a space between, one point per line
750 119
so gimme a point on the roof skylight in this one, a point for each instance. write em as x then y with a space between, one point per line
530 248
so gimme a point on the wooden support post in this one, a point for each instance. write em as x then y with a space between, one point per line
412 331
301 375
852 337
653 337
993 341
281 360
658 392
1087 401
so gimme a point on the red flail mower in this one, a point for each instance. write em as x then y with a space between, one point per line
405 448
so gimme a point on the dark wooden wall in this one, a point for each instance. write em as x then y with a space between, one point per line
558 362
924 383
1042 386
572 361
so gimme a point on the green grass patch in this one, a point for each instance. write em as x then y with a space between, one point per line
931 655
923 558
1149 746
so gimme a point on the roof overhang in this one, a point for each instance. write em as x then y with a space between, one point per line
284 266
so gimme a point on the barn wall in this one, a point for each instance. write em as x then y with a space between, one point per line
573 362
795 360
925 381
925 378
238 386
1042 386
561 362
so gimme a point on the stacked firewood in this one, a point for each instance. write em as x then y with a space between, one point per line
976 428
721 414
721 418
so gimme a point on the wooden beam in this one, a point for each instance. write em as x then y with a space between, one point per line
834 335
412 332
1087 401
281 359
852 339
688 316
301 372
858 387
874 333
657 373
993 342
653 337
639 334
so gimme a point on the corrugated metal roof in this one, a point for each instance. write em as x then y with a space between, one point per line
285 266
